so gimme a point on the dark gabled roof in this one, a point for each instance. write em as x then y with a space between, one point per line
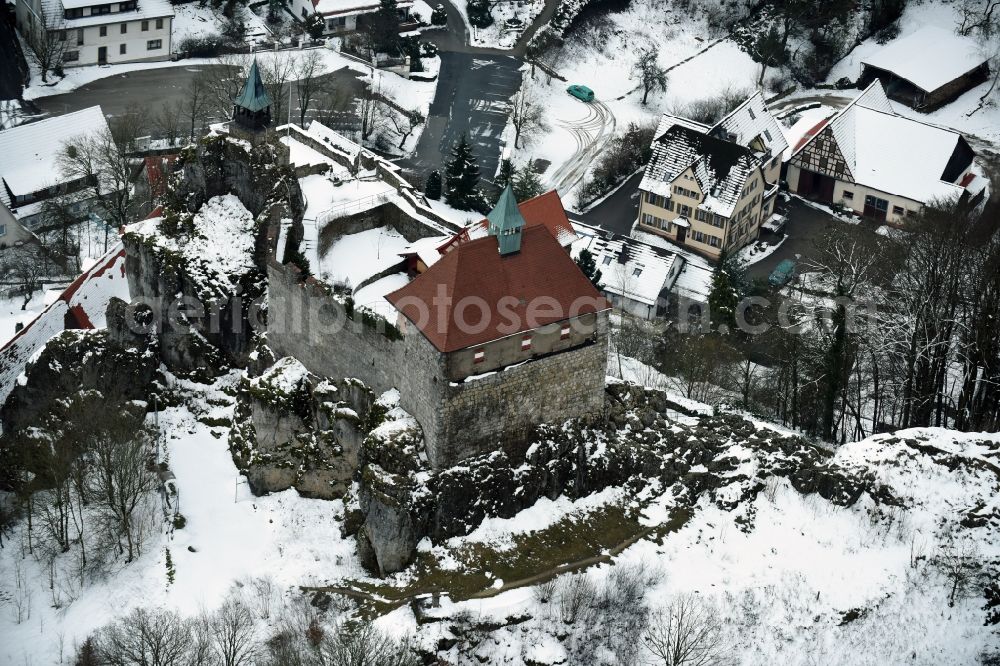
509 285
721 167
254 95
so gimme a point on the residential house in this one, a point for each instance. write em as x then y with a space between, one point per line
880 164
709 188
98 32
11 231
928 68
29 169
341 16
635 276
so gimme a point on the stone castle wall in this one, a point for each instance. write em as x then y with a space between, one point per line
500 411
306 321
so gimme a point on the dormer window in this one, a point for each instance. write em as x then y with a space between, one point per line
753 116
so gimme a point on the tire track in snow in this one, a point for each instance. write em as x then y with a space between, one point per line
590 134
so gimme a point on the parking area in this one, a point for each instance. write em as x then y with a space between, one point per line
805 226
472 98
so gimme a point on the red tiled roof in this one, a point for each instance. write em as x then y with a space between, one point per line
544 210
510 286
813 131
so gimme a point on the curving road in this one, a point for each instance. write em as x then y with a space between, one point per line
590 134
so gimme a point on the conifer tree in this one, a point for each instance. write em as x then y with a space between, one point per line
462 176
505 173
526 184
432 188
588 265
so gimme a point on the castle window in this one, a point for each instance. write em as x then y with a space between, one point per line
526 343
479 356
564 332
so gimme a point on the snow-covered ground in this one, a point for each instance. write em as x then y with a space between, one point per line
983 123
510 20
602 56
353 258
193 20
801 582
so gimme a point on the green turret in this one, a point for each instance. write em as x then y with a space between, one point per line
252 107
506 223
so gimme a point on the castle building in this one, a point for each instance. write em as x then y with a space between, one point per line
500 334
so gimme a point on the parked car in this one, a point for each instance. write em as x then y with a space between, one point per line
582 93
782 273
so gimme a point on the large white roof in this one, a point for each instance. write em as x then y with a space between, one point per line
902 156
751 120
929 58
28 152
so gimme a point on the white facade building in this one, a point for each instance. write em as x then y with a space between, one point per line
29 169
102 32
341 16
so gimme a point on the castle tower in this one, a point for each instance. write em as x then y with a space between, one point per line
506 223
252 107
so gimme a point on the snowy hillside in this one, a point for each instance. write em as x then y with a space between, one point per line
791 577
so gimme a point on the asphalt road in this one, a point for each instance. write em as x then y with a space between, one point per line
618 211
151 90
472 98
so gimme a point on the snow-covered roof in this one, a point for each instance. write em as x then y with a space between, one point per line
929 58
721 167
669 120
631 268
146 9
339 7
28 152
895 154
749 122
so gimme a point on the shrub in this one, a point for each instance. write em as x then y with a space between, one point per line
315 26
439 16
205 46
479 13
624 154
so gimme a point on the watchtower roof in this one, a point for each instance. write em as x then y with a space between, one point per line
254 95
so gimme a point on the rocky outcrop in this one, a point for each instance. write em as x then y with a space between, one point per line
293 429
401 500
117 363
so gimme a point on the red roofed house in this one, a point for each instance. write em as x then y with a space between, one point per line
518 332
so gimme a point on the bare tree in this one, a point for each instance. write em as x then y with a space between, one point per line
406 123
23 269
101 160
223 81
525 114
154 637
277 74
48 41
364 645
372 112
195 104
168 121
648 69
982 16
308 82
961 566
232 629
122 480
685 633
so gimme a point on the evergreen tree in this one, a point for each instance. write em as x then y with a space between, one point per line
729 285
462 176
505 173
479 13
588 265
385 28
526 184
439 16
432 188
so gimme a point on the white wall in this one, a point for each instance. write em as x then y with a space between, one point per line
134 39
